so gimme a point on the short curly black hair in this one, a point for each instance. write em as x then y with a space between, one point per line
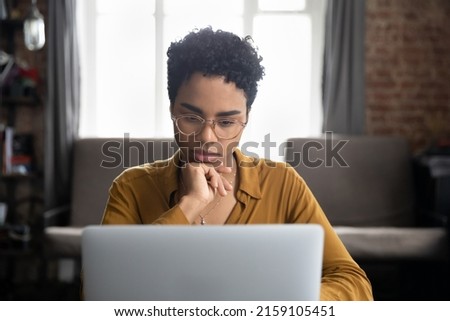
215 53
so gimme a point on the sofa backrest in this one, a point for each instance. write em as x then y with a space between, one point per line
359 180
97 161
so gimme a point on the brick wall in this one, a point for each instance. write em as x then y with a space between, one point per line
408 69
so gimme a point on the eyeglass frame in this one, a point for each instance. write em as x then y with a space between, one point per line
204 121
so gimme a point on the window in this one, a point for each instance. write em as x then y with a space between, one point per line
123 55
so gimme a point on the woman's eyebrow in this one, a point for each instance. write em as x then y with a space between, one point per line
192 108
229 113
199 111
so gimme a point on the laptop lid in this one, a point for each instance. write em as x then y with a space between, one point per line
202 263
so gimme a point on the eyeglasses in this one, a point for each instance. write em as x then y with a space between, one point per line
225 128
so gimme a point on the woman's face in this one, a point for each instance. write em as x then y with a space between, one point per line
211 98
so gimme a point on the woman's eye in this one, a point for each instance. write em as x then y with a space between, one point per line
193 119
226 122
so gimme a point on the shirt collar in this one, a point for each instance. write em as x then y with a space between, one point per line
248 174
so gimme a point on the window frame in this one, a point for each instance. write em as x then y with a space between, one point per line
314 8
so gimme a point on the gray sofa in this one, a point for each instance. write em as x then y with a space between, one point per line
365 186
97 161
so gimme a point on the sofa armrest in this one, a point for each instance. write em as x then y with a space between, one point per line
57 216
432 179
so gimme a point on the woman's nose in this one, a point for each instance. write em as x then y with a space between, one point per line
208 134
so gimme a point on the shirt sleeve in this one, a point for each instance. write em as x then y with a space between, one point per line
342 277
127 204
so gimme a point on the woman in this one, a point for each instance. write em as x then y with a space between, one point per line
212 83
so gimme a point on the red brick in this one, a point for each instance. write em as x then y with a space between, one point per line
407 68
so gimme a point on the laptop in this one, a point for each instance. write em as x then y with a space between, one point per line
202 263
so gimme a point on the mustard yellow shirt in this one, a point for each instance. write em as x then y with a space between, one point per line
268 193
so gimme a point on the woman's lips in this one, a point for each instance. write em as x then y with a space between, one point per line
206 157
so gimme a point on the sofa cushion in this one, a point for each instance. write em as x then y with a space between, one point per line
358 181
363 243
97 161
63 241
390 243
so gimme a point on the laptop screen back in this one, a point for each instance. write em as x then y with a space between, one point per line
202 263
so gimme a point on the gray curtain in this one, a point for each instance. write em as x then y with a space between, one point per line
343 68
63 100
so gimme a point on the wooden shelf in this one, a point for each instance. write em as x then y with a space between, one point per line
8 28
14 101
17 176
11 23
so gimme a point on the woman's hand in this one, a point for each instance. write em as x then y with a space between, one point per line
201 183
